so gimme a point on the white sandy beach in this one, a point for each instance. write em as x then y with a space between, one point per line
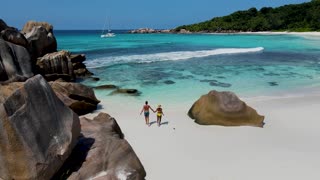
313 34
287 148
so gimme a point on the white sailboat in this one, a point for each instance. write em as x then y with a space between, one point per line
109 33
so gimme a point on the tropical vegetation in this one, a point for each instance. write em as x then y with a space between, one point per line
294 17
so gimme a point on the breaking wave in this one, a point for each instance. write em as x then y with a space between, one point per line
167 56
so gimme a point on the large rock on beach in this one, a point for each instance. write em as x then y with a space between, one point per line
102 153
40 37
80 98
15 62
37 131
224 108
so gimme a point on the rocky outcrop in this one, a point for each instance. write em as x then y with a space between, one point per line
62 65
31 24
184 31
79 68
78 97
40 37
14 36
57 63
15 62
149 30
102 153
224 108
37 131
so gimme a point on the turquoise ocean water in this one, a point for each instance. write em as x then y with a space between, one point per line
179 67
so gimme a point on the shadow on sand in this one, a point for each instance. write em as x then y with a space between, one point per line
164 123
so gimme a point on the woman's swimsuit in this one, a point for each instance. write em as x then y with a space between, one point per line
159 112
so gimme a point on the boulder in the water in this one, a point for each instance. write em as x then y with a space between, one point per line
169 82
214 82
273 83
133 92
220 84
95 78
106 86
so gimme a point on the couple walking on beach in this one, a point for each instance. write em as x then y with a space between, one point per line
146 108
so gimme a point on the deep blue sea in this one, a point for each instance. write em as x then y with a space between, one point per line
180 66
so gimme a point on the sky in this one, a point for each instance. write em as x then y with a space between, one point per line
124 14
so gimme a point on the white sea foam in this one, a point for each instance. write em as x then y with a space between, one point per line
167 56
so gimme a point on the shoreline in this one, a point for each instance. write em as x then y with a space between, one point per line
191 151
312 33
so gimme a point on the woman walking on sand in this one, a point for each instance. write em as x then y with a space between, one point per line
145 109
159 115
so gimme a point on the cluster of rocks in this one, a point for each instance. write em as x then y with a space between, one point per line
41 134
34 51
149 30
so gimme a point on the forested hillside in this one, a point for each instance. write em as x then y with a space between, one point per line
295 17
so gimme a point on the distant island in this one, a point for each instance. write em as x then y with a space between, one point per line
296 17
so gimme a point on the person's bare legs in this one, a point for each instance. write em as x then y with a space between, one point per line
148 121
159 120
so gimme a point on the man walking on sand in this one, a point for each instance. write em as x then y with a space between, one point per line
145 109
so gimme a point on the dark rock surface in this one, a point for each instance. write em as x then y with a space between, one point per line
273 83
77 58
133 92
41 39
106 86
95 78
224 108
58 63
80 98
14 36
62 65
169 82
79 68
149 30
220 84
37 131
216 83
15 62
3 25
102 153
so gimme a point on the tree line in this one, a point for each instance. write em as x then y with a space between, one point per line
294 17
